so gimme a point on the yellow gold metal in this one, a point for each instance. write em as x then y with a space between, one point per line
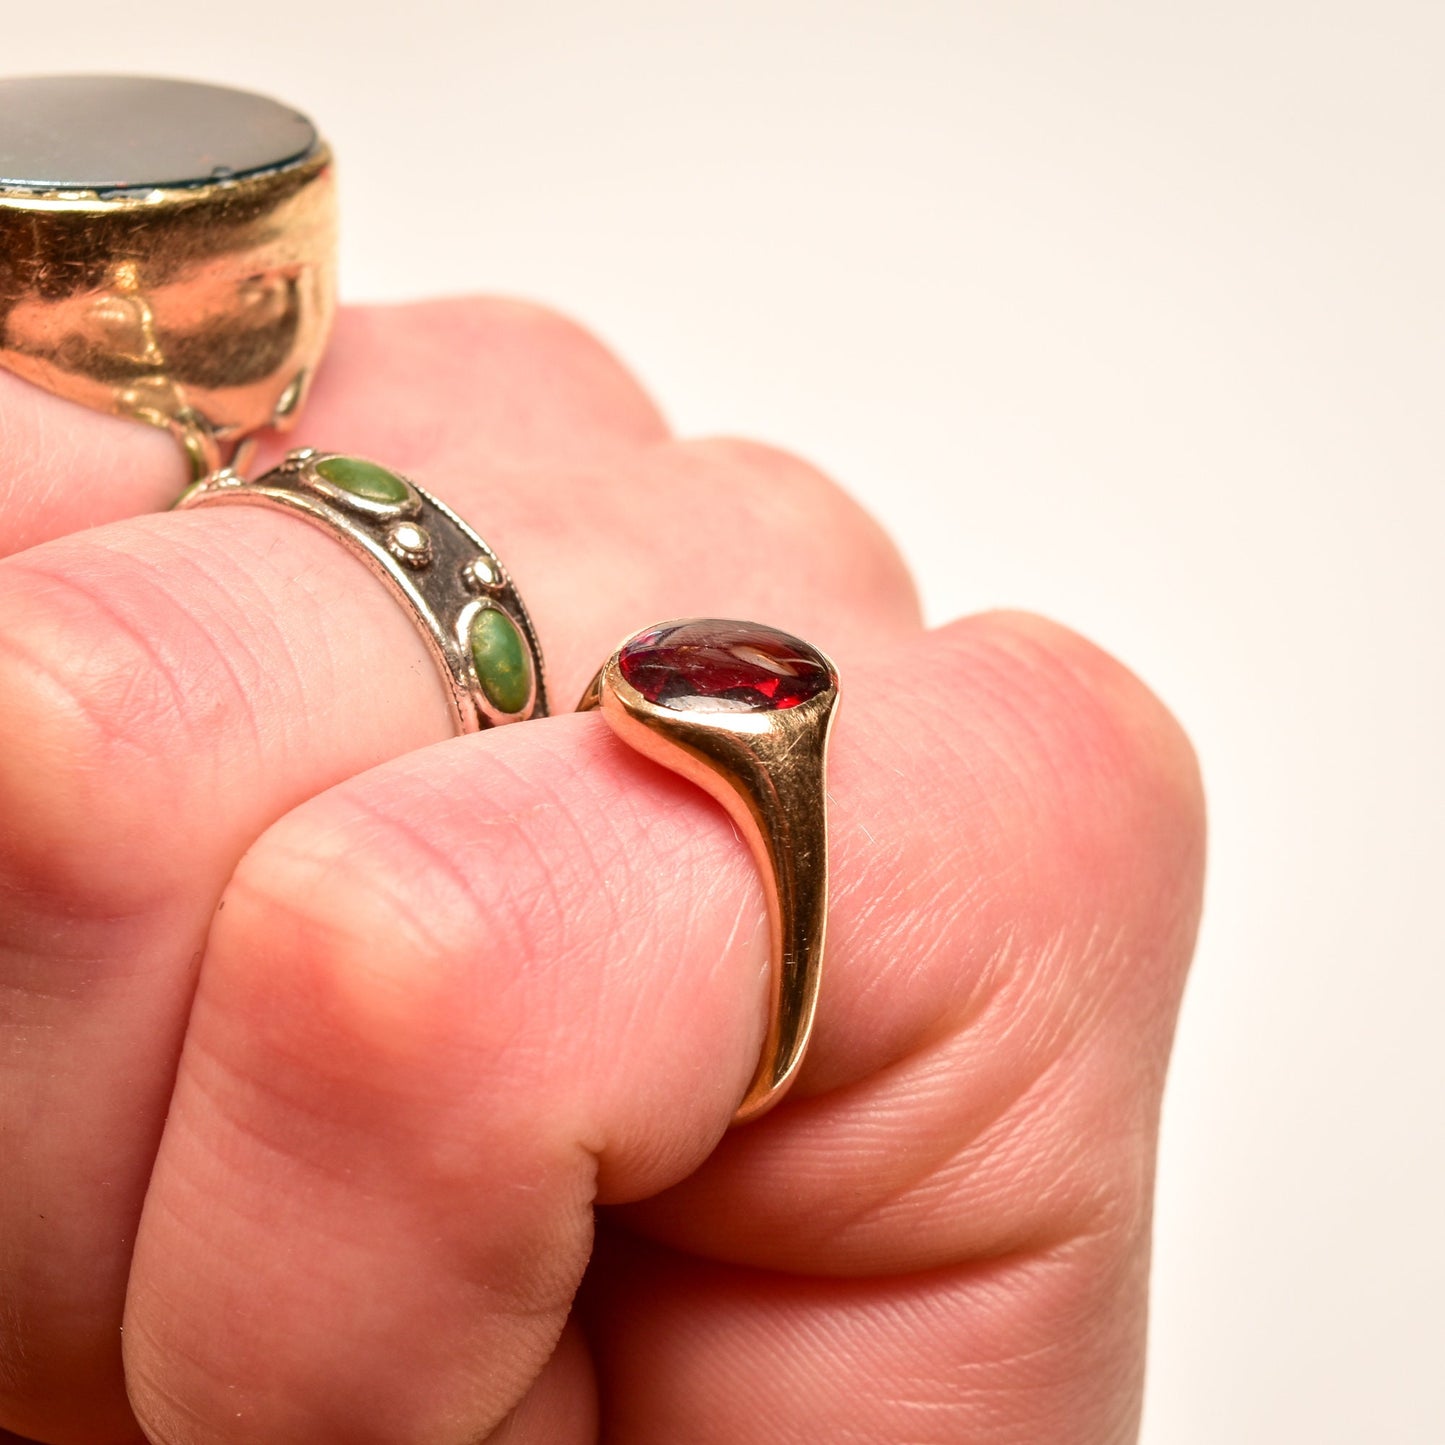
202 309
768 771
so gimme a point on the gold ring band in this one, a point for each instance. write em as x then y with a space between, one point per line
200 303
744 711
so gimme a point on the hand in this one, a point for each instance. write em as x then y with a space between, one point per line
325 1033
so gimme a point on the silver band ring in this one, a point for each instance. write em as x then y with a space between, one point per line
459 595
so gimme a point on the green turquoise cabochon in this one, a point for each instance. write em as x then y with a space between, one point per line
363 479
502 659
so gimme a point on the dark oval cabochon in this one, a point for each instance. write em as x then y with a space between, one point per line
130 132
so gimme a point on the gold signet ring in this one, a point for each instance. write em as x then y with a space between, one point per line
167 252
744 711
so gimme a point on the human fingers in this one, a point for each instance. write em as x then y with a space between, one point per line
454 1003
505 381
67 468
506 384
175 683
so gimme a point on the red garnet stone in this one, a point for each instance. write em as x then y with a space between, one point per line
707 665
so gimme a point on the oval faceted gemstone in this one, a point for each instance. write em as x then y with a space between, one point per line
363 479
502 659
710 665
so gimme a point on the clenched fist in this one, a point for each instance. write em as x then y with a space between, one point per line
365 1085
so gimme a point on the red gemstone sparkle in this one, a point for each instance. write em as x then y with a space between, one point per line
709 665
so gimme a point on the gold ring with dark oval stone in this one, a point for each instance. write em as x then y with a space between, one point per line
459 595
167 252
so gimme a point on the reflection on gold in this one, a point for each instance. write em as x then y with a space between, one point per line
204 310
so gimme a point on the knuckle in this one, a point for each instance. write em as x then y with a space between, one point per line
782 489
574 373
550 332
394 948
1099 751
1102 715
834 544
534 319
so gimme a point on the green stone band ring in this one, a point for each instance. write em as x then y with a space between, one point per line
458 593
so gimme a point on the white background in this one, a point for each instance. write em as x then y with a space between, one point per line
1130 311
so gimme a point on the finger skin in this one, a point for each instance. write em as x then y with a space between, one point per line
453 1003
172 685
67 468
561 1406
143 699
1043 1348
499 381
114 827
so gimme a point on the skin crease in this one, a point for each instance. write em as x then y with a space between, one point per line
395 1085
